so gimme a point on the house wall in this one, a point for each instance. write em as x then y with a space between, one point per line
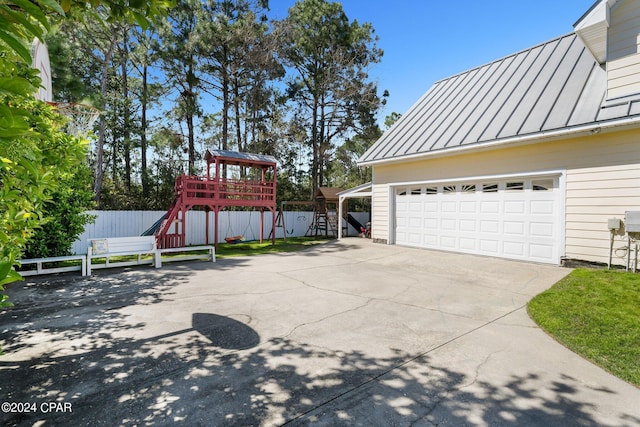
623 54
602 181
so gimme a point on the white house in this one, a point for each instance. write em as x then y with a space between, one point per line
526 157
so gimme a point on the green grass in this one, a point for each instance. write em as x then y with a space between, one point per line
595 313
293 244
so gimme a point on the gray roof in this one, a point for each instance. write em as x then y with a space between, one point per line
552 86
251 157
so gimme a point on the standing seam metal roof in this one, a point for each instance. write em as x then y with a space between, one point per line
551 86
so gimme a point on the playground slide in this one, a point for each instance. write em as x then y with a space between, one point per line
354 223
152 230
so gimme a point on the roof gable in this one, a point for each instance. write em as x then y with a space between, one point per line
553 86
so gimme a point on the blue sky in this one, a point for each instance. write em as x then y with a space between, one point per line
427 40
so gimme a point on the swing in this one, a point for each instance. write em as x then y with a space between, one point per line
239 238
233 239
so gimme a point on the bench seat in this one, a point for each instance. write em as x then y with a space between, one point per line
122 246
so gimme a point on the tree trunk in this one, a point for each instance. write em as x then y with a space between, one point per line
143 135
97 183
126 131
314 145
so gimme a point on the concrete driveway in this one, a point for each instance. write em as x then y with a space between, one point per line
349 333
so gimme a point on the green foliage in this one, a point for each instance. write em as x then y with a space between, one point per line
36 157
328 57
595 314
65 216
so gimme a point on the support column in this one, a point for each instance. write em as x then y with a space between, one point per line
216 211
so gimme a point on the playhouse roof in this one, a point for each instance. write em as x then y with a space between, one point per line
231 156
328 193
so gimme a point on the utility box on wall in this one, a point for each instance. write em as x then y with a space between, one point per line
614 224
632 221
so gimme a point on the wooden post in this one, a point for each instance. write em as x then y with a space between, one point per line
216 211
261 225
206 225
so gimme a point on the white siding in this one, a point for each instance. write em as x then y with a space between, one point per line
623 55
380 205
232 223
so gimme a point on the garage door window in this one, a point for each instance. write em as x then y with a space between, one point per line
468 188
514 186
432 190
449 189
542 184
490 188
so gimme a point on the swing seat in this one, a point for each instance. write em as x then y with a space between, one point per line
234 239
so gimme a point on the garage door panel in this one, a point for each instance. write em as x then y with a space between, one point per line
431 240
415 222
489 226
514 248
414 238
490 207
541 207
448 224
514 207
541 229
449 206
467 207
467 243
448 242
468 225
431 224
514 228
489 246
430 206
541 252
415 207
517 223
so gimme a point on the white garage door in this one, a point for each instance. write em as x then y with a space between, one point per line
518 218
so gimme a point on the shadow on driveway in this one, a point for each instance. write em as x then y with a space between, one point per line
221 372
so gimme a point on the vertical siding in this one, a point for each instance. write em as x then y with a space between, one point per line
232 223
623 55
602 182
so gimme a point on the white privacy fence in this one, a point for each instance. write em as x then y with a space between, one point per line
232 223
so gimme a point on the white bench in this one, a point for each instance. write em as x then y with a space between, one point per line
122 246
40 269
210 255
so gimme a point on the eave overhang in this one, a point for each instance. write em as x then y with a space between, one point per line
586 130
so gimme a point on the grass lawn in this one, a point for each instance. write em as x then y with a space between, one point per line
595 313
292 244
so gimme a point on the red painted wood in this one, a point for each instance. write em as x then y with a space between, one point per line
216 193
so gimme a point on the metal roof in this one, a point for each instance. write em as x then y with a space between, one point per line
247 157
553 86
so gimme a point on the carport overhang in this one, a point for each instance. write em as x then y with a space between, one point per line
361 191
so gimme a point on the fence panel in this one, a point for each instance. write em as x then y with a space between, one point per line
232 223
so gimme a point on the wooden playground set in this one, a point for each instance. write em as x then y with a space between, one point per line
252 185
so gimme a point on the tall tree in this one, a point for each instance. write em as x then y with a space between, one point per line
329 57
235 55
35 155
180 62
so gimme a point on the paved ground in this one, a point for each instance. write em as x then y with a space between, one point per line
351 333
